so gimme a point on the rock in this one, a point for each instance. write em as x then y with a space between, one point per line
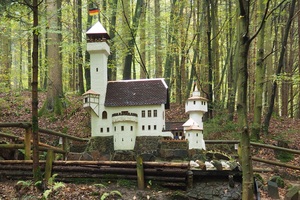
273 190
278 180
201 164
194 164
217 164
293 193
209 166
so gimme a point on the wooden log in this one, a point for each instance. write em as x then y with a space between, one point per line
50 132
27 143
262 170
140 172
126 164
183 165
107 170
222 141
276 163
24 162
12 146
9 135
49 161
16 125
15 167
275 147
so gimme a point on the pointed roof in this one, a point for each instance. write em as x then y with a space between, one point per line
189 122
196 95
97 31
194 127
137 92
91 92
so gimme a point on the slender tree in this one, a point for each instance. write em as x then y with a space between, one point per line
267 119
259 75
54 83
132 41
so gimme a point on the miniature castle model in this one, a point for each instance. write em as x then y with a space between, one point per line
127 109
195 106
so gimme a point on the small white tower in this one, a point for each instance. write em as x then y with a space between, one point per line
195 106
94 99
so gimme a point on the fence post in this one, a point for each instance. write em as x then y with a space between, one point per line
189 179
65 146
140 172
27 144
49 162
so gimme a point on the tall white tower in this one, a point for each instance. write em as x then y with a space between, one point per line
195 106
99 50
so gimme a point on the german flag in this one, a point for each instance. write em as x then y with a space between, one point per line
93 11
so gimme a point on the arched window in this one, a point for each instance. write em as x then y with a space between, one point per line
104 115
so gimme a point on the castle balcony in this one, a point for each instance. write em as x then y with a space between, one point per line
91 101
124 116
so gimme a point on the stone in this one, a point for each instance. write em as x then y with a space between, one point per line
278 180
273 190
293 193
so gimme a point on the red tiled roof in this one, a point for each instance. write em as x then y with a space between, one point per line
137 92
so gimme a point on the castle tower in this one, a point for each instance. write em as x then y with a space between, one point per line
195 106
99 50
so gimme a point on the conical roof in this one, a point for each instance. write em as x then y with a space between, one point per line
97 31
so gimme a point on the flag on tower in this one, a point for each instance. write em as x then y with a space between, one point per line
93 11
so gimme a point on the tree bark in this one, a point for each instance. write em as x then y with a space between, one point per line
54 87
259 76
242 110
37 176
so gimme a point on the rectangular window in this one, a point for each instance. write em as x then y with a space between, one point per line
107 129
154 127
149 113
155 113
143 114
101 130
115 128
131 128
122 128
143 127
149 127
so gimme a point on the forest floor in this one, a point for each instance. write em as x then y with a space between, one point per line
16 107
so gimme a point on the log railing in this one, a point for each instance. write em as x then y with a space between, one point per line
28 141
255 144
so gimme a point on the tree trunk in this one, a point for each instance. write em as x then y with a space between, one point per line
135 24
112 59
259 76
54 87
37 176
79 49
158 43
233 76
209 59
5 73
298 104
267 119
243 49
